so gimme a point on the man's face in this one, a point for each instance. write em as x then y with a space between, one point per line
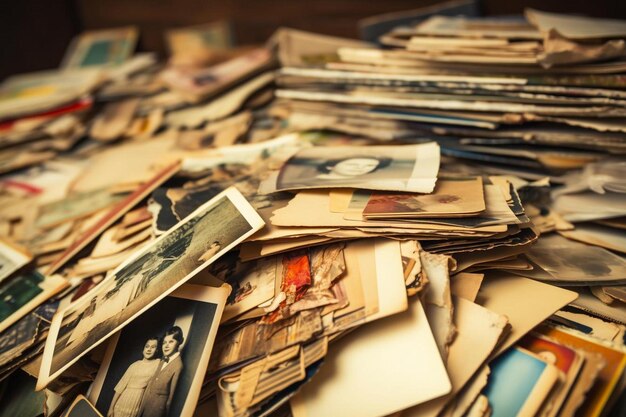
170 345
355 166
150 348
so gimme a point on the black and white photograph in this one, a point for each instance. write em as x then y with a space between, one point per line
402 168
149 275
156 365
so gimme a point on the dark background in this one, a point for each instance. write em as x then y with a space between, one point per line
35 33
156 321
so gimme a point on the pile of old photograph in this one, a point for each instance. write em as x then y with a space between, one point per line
428 222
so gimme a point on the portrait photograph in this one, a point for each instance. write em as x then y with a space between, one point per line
401 168
155 366
148 276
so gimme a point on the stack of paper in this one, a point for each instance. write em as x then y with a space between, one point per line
319 227
514 94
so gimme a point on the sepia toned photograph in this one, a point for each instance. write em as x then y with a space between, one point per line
149 275
570 261
111 216
156 365
402 168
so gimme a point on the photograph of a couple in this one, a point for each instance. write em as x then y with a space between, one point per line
152 370
148 385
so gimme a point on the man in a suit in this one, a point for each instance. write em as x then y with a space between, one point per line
158 395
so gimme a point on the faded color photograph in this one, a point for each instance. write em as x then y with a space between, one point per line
451 198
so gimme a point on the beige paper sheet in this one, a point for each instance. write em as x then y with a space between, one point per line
524 301
381 360
478 332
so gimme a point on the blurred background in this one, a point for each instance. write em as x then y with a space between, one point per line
36 33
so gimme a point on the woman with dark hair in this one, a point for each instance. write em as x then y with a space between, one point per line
158 396
329 168
130 389
351 167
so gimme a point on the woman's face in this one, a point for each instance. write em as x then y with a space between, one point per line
355 166
170 345
150 349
